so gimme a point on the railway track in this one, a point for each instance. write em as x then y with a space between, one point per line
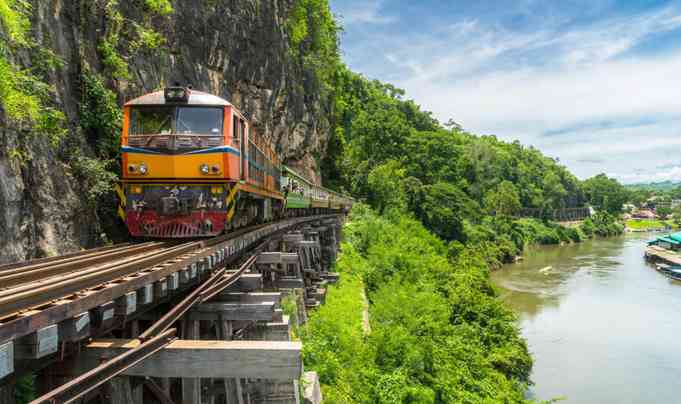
43 271
63 258
30 285
66 300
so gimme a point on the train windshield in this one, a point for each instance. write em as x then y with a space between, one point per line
175 129
166 120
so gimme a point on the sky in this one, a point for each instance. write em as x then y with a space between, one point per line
596 84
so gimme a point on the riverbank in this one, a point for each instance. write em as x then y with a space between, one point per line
501 240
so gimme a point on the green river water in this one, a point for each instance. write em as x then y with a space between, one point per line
602 325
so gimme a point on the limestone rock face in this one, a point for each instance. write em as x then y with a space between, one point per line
239 50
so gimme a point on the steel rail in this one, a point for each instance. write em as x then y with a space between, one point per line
182 307
78 274
228 279
16 277
49 260
94 378
14 302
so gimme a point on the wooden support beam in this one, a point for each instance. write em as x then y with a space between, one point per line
75 328
251 297
277 360
247 283
292 238
272 331
269 258
289 282
6 359
233 311
43 342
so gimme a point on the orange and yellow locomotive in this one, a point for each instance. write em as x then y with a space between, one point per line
192 166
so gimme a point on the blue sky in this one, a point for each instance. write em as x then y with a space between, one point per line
596 83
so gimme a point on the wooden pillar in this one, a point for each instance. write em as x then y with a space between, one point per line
191 386
119 391
233 391
7 393
138 387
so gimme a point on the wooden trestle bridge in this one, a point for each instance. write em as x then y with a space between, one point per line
168 322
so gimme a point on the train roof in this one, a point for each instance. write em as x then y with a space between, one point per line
195 98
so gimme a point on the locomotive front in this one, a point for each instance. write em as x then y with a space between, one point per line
180 164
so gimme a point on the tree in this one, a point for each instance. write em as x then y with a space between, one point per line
554 191
605 193
663 211
503 199
386 188
443 210
677 215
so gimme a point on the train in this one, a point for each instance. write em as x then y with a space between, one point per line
192 165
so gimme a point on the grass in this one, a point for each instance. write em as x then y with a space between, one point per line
649 224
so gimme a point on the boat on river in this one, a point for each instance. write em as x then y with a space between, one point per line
670 271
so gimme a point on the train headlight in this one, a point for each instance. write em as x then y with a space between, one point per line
132 169
143 169
204 169
215 169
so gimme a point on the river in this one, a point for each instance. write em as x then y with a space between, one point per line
602 325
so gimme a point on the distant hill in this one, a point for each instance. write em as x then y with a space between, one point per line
655 186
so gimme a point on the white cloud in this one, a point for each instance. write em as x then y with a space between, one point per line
524 84
365 12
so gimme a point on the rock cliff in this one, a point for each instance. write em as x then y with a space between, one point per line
240 50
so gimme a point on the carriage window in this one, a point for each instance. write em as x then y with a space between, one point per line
151 120
199 121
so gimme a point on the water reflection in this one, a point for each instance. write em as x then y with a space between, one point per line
602 325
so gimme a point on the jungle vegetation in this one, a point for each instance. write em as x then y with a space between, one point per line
438 332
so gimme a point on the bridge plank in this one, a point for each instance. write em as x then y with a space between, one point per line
274 360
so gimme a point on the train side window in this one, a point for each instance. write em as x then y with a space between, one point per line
235 128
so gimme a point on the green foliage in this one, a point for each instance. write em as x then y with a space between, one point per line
443 210
100 116
160 7
97 176
115 66
289 306
663 211
23 96
19 104
25 389
439 334
387 188
602 224
14 18
147 39
606 193
645 224
503 199
313 34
